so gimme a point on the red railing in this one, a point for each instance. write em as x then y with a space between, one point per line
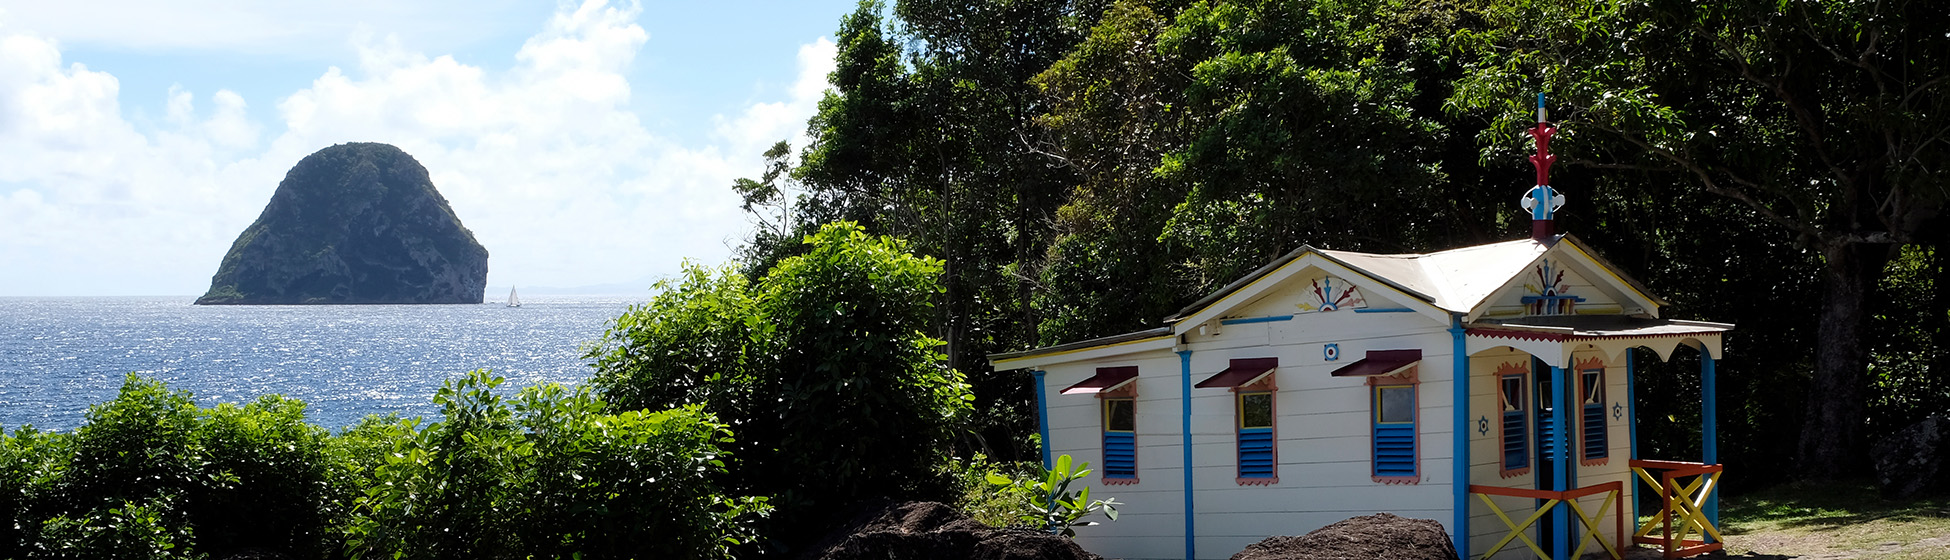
1687 501
1614 492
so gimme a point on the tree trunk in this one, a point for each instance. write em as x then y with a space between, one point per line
1831 438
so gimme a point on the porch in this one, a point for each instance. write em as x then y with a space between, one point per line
1557 469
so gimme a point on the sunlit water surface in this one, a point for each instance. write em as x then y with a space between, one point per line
59 355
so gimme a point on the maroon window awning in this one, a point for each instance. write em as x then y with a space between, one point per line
1380 362
1241 372
1107 378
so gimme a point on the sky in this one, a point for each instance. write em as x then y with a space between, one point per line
584 142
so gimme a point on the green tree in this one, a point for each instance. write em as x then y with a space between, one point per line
822 367
1823 118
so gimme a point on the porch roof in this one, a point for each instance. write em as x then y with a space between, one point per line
1593 326
1555 338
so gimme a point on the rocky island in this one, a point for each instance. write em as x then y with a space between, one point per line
356 223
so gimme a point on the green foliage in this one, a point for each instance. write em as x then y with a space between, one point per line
821 367
1053 507
995 505
151 475
1819 119
132 531
847 321
554 475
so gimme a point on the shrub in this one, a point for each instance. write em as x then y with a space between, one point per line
266 481
150 473
31 463
633 484
822 367
553 476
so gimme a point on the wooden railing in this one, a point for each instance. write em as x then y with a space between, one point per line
1683 500
1613 491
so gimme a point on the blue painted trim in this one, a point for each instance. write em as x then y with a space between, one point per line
1709 425
1251 320
1385 310
1185 399
1459 456
1561 467
1632 416
1042 414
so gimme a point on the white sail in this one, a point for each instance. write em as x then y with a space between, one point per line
512 300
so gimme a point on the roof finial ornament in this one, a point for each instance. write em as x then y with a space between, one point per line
1542 201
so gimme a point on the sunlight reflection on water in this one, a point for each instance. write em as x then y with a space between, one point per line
59 355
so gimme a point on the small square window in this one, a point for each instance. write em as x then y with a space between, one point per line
1397 404
1255 410
1120 415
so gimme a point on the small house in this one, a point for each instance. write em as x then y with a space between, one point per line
1489 387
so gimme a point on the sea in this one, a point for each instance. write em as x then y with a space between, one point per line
58 356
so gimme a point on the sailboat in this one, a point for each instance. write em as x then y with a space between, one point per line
512 300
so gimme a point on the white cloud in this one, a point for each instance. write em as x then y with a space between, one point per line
545 161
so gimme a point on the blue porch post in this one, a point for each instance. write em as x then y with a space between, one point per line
1042 413
1709 416
1460 456
1632 420
1185 399
1560 465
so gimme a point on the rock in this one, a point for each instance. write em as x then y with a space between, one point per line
1910 461
933 531
353 223
1369 537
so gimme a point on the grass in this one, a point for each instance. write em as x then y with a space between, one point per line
1835 521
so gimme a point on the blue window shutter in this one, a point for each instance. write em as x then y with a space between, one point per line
1120 455
1594 431
1394 449
1516 448
1256 453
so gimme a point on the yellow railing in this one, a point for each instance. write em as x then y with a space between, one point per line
1684 500
1612 490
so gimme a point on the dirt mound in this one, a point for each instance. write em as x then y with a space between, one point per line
934 531
1382 536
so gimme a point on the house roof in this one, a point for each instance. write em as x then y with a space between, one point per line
1456 281
1091 343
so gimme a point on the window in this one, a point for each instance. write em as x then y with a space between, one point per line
1258 461
1251 383
1120 439
1591 392
1394 433
1514 437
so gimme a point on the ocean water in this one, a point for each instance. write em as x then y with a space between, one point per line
60 355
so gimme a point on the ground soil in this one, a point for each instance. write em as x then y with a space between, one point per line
1382 536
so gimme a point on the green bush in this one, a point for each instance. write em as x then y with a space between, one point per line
266 481
152 475
822 367
31 462
553 476
992 504
549 473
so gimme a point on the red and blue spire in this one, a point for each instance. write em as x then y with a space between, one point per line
1542 201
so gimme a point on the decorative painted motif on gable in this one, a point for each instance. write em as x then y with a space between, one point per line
1549 292
1329 293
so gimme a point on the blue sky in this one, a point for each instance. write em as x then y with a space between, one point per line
583 142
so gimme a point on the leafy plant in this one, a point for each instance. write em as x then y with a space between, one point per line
823 368
548 474
1057 509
